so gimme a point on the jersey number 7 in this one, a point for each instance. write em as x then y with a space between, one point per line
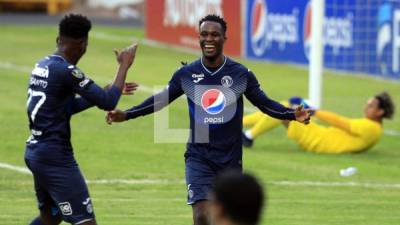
36 98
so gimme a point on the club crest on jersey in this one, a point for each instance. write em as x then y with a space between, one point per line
213 101
226 81
77 73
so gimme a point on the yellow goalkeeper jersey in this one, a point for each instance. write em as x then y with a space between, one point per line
346 135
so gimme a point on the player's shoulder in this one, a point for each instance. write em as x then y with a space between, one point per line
188 67
237 66
366 124
62 66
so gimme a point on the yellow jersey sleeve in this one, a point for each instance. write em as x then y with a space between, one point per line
334 119
365 128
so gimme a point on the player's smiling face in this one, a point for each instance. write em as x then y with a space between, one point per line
212 39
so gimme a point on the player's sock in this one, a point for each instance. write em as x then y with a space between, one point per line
36 221
248 134
247 142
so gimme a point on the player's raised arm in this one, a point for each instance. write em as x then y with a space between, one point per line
270 107
92 94
125 59
80 104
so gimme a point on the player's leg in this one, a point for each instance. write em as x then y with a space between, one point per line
264 124
199 178
200 213
65 188
49 214
252 119
261 123
308 137
73 197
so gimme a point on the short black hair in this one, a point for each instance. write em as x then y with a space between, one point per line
215 18
386 103
74 26
240 195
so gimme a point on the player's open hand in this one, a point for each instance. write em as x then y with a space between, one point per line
303 115
130 88
127 55
115 116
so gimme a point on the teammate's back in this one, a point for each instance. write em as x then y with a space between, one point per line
55 81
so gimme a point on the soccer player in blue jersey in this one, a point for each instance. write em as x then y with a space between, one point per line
214 86
55 81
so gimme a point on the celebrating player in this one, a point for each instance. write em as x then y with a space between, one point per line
214 85
60 188
342 136
236 199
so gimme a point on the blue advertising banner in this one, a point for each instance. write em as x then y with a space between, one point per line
358 36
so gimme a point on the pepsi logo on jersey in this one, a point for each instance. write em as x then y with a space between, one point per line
213 101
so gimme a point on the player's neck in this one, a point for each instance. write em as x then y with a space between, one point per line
213 62
377 119
66 57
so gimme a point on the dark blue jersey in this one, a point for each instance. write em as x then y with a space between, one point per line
215 104
52 101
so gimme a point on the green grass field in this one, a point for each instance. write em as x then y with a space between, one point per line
127 151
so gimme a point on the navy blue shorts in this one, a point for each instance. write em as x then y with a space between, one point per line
64 189
200 173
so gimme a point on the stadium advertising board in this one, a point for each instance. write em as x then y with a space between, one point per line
176 21
356 38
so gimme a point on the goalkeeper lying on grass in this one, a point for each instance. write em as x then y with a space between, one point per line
341 136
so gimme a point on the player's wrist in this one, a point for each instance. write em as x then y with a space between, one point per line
128 115
125 65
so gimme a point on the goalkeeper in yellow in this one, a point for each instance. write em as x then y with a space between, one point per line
343 135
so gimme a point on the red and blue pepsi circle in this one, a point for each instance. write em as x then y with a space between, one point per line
213 101
258 26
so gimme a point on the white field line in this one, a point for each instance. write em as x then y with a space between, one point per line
286 183
146 89
19 169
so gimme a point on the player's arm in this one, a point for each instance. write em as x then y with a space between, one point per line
334 119
94 94
151 104
270 107
80 104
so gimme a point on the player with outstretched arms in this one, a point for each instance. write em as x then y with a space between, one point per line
214 86
60 188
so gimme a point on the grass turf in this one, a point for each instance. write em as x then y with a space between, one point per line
127 151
